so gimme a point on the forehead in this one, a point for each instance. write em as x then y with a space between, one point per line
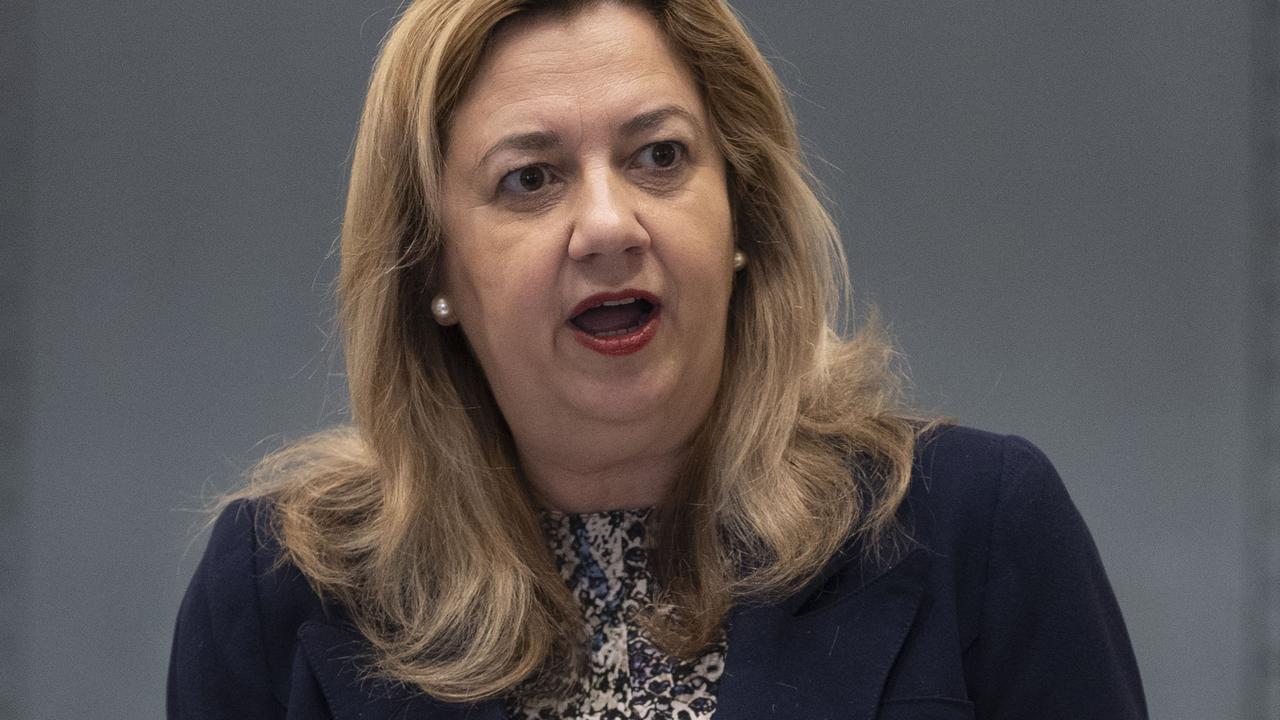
593 69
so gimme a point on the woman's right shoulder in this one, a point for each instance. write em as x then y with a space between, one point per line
241 549
245 601
245 555
242 528
238 531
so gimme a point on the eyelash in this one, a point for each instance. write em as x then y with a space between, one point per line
682 153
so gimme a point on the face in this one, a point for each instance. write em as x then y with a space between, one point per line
588 253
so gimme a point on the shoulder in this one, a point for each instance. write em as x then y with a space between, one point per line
966 487
982 506
953 455
1020 580
236 542
239 618
985 504
244 557
966 481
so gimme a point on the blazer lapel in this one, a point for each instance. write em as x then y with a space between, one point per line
334 655
830 662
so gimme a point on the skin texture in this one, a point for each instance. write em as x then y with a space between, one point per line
587 205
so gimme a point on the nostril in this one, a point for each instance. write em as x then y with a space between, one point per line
591 239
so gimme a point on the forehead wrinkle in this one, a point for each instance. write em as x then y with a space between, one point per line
589 80
575 51
529 131
588 76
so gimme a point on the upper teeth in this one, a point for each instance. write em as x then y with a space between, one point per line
614 303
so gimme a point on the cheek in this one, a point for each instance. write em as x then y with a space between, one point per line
459 279
467 254
711 215
499 278
710 252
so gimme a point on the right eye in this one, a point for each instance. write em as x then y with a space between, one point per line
525 180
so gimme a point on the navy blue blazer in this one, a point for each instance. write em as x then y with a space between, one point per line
1001 609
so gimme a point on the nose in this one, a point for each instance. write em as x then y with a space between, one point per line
605 221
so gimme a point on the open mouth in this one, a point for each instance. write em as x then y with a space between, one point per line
613 318
617 323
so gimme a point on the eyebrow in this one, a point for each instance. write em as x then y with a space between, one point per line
539 140
654 118
542 140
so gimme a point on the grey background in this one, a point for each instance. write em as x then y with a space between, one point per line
1068 211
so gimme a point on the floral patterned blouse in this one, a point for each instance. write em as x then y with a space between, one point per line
603 557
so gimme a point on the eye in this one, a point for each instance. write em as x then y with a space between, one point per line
525 180
661 154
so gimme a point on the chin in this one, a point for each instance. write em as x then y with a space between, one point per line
621 407
623 400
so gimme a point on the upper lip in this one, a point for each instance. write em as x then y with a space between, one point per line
599 298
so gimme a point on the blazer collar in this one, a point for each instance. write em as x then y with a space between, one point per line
822 653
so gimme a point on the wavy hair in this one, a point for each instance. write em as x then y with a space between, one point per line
415 516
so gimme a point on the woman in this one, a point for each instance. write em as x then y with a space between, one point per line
608 458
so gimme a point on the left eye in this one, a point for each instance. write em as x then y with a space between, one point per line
661 154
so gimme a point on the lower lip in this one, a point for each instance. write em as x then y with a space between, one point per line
626 344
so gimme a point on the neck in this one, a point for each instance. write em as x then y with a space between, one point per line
596 484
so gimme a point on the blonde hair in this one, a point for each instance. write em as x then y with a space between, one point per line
416 518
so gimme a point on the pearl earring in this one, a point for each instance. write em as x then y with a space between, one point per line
739 260
442 310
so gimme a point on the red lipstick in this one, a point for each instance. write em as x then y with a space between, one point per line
616 323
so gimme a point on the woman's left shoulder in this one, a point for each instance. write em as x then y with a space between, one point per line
967 459
1018 581
965 480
